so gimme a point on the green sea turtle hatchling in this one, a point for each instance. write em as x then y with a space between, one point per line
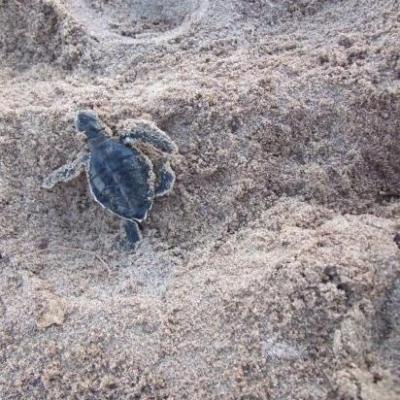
121 177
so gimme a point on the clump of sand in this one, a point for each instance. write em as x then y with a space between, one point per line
272 270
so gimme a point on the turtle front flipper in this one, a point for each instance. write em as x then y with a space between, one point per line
133 235
165 178
147 132
66 172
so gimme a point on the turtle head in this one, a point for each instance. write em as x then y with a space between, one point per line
89 123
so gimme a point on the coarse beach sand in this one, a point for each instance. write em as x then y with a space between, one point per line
272 270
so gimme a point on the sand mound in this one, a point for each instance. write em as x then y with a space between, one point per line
133 18
39 31
271 271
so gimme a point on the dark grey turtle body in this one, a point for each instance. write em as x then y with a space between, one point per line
121 177
120 180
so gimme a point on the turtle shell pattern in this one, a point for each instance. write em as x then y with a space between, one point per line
120 179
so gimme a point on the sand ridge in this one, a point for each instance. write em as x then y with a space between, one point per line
271 271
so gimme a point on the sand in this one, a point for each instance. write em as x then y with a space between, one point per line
272 271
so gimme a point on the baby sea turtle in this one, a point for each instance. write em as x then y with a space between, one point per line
121 177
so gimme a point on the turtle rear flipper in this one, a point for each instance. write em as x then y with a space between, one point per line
148 133
133 234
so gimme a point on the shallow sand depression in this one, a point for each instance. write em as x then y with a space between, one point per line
272 271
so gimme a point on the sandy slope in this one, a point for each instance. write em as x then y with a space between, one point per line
271 271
